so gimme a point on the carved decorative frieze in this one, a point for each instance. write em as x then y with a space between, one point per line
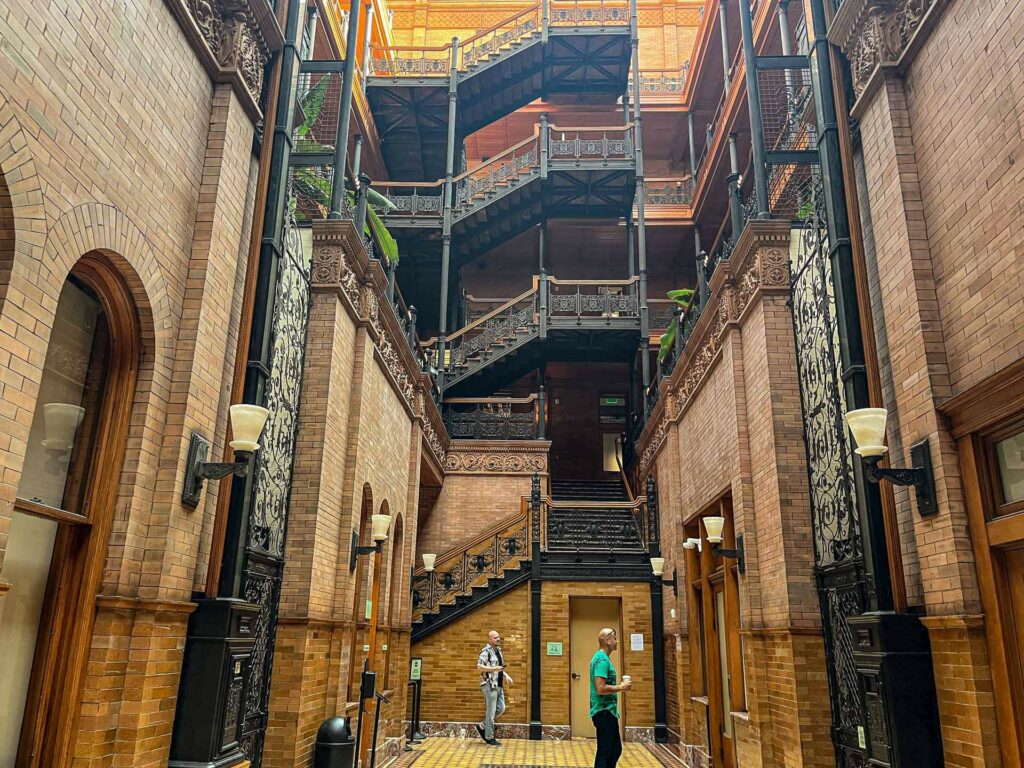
876 32
234 39
759 264
497 457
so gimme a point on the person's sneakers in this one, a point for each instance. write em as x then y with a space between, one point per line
480 730
493 742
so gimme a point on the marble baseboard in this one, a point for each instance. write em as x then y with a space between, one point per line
695 756
640 735
392 747
455 730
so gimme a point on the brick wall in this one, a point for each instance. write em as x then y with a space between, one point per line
451 684
943 323
738 430
160 178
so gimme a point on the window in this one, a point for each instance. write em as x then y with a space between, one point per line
1010 461
64 510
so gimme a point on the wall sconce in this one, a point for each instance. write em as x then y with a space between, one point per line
428 563
62 421
658 566
868 428
247 422
692 543
713 526
379 526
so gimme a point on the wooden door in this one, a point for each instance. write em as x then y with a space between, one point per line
1014 562
587 617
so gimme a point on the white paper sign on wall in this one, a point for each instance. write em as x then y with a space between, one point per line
636 641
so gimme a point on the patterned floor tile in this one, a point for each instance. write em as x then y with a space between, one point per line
518 753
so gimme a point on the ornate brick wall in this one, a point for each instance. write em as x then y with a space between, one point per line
729 420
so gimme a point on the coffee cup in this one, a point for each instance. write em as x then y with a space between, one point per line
627 679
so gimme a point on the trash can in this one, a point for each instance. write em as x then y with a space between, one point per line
335 747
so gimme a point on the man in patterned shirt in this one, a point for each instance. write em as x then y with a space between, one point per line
493 679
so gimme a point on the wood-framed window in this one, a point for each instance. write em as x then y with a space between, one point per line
716 651
987 421
63 512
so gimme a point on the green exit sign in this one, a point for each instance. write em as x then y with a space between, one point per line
554 649
613 401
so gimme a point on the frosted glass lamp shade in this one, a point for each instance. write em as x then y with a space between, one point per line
62 421
247 423
868 428
428 562
714 526
379 525
658 565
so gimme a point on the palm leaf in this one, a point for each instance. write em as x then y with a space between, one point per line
668 339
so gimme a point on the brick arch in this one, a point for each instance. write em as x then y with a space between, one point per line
99 228
22 218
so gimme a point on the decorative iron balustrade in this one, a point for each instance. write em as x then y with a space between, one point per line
579 526
493 418
579 144
662 81
458 571
589 14
499 38
668 191
498 330
593 299
511 167
660 313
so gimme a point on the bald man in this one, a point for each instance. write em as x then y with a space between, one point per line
493 679
604 700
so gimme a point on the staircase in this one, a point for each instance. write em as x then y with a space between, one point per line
580 321
549 48
591 532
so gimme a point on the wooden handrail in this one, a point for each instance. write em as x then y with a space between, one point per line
378 184
471 299
499 25
579 129
507 305
501 400
459 550
637 502
679 179
630 281
425 48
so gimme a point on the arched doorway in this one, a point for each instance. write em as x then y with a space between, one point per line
59 531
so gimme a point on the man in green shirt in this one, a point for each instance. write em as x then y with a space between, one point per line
604 700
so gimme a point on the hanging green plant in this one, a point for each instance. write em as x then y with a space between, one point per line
682 297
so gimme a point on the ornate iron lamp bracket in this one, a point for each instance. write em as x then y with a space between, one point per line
198 469
920 476
738 554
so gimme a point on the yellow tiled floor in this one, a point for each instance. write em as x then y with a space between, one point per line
472 753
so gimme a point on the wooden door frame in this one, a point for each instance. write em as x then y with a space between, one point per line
706 572
80 550
622 655
986 411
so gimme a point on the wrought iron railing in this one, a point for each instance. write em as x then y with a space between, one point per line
604 299
668 191
500 328
457 571
594 526
602 143
513 166
662 81
493 418
416 199
409 61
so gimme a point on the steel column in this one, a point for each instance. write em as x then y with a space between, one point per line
733 181
535 613
640 199
446 223
724 29
367 36
693 150
754 109
357 155
341 137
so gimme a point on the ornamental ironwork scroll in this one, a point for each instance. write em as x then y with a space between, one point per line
265 538
838 548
